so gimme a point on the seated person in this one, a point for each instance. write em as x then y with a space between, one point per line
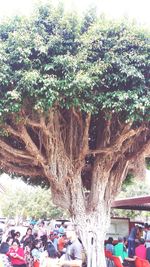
120 249
140 250
109 245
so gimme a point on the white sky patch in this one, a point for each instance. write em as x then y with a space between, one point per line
133 9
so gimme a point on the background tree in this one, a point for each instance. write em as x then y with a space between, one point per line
22 201
75 110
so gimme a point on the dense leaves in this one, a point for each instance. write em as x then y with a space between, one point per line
88 63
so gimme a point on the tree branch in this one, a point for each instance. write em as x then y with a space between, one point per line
78 116
9 167
11 130
15 159
143 150
15 152
118 144
85 140
30 146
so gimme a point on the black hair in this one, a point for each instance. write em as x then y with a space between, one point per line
110 240
8 239
16 241
52 253
35 243
4 248
44 240
146 225
29 228
17 233
142 241
12 233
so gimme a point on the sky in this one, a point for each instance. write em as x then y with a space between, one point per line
134 9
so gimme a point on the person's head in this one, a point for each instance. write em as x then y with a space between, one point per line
142 241
17 235
29 231
37 243
137 226
110 240
42 224
35 235
70 232
125 240
146 226
4 248
120 239
9 240
15 244
63 235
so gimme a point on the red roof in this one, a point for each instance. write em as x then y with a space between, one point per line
135 203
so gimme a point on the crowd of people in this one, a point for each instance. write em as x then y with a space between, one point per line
137 244
61 247
37 248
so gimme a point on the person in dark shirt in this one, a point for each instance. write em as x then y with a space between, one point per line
131 240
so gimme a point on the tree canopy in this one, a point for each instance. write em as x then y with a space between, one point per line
58 60
75 110
89 64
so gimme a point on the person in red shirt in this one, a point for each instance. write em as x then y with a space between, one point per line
61 243
140 250
16 254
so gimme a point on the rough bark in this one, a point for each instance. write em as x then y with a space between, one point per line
84 158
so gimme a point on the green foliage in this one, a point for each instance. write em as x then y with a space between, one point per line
27 201
90 63
129 181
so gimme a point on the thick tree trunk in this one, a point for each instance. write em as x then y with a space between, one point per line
91 222
90 211
92 228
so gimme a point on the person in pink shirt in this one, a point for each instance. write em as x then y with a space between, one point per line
16 254
140 250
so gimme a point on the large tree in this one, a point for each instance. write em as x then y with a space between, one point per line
75 111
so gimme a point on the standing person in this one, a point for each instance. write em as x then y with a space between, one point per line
16 254
132 240
73 255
